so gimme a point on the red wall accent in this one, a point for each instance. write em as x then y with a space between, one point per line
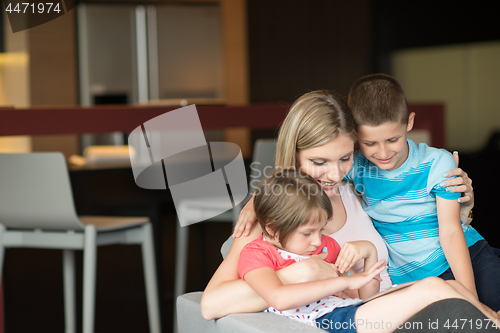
103 119
431 118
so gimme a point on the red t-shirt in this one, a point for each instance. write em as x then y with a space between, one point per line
259 253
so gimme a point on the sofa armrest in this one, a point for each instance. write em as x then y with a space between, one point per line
189 320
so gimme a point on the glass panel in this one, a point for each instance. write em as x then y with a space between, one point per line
190 51
110 48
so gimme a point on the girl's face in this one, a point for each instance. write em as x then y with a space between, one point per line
306 239
329 163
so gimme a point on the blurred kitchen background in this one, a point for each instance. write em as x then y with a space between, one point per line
234 52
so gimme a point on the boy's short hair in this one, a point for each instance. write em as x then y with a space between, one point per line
287 199
376 99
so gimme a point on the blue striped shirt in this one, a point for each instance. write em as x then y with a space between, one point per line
402 205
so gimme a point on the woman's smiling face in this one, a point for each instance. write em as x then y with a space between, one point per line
329 163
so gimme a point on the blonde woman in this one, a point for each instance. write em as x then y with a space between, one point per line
317 136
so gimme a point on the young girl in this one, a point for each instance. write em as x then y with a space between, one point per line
292 210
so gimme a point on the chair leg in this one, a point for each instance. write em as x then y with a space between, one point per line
181 257
236 213
149 263
2 304
69 291
2 252
89 278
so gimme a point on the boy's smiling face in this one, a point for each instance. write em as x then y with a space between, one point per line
385 145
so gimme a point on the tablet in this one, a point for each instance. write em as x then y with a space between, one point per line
389 290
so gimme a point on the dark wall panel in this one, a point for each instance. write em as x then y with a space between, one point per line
408 24
298 46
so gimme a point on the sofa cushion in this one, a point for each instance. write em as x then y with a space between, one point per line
189 320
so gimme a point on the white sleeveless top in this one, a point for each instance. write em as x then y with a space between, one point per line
359 226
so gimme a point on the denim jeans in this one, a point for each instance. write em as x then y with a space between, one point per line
486 267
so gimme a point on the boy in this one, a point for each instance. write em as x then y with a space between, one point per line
401 187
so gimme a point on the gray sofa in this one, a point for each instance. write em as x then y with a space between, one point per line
189 317
189 320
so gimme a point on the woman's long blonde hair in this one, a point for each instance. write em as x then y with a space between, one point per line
314 119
